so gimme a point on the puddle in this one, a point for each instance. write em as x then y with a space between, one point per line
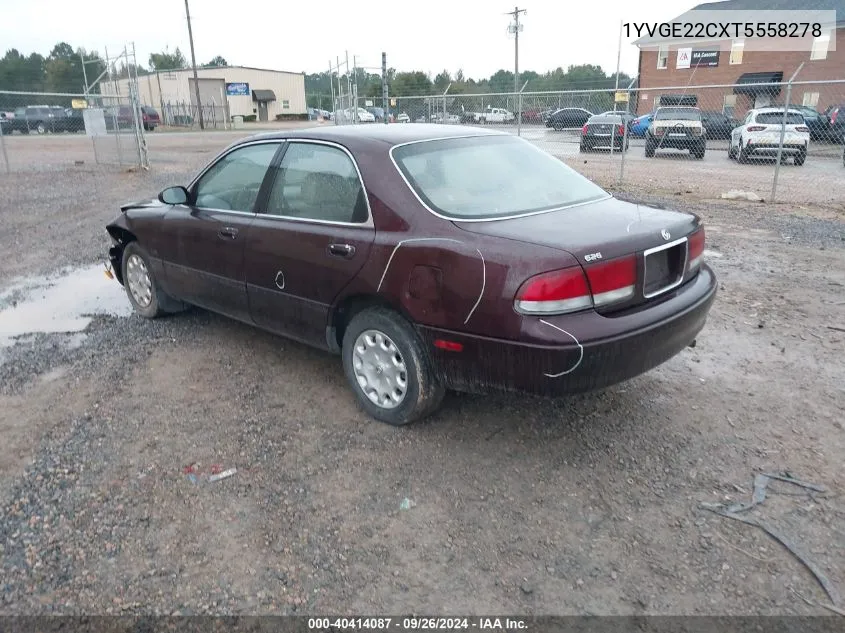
61 303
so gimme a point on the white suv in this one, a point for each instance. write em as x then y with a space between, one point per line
759 135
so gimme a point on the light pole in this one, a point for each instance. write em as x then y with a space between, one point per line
515 28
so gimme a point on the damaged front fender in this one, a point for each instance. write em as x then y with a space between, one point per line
120 235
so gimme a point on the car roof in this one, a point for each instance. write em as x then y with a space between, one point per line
389 134
776 109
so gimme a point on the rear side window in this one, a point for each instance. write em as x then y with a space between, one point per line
318 182
776 118
491 177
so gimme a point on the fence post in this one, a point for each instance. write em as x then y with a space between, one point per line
625 134
519 108
3 145
783 130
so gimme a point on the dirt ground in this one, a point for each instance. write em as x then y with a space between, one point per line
586 505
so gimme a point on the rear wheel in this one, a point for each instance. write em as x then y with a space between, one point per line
731 152
649 149
388 369
800 157
41 128
743 154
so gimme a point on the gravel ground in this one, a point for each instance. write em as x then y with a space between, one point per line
587 505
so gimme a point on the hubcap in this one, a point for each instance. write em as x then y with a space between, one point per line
138 280
380 369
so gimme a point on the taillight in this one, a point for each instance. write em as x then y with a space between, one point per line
613 280
570 290
554 292
833 116
802 128
620 131
695 246
757 128
584 131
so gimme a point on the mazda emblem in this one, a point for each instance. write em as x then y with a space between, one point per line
666 235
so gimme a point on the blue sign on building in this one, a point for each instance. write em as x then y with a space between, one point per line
237 89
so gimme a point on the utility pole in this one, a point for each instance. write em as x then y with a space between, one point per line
194 65
515 28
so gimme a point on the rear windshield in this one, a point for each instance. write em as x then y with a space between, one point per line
676 114
491 177
148 110
775 118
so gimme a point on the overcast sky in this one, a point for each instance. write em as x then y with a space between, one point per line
427 35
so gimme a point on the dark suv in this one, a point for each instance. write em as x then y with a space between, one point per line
836 117
38 119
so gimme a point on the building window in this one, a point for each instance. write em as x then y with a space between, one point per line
811 99
736 51
729 106
285 104
820 45
662 57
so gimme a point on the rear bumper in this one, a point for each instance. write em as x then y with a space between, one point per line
593 141
769 148
570 365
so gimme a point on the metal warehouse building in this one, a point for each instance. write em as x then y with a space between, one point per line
225 91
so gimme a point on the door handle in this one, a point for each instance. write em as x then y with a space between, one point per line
341 250
227 233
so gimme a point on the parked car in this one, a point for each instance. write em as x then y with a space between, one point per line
568 118
676 127
74 120
532 115
759 135
39 119
836 120
496 265
488 115
818 124
403 117
639 126
603 131
718 125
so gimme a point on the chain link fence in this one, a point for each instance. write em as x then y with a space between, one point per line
736 149
52 130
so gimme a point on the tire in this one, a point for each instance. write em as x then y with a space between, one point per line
649 149
581 148
743 155
41 128
135 261
422 393
799 159
731 152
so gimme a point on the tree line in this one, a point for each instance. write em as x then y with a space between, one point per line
318 86
63 71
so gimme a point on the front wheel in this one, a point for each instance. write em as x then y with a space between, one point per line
388 369
41 128
141 286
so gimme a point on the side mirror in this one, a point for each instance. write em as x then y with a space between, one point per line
174 195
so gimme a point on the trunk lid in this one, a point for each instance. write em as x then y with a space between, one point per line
611 227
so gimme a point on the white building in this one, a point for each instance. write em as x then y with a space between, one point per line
224 90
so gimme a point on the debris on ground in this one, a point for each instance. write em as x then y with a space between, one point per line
758 496
406 504
734 194
222 475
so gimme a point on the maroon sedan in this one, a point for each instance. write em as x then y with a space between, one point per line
429 257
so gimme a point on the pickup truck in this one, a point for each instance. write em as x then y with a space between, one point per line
489 115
